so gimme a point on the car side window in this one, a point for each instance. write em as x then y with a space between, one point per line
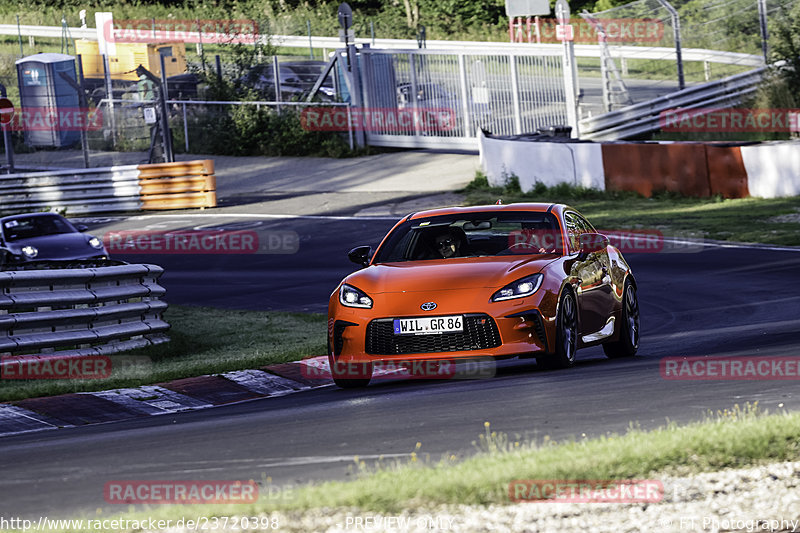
585 225
573 231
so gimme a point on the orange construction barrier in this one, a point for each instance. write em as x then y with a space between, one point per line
648 168
179 185
726 171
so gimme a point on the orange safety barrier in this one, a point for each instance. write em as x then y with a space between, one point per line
727 174
648 168
179 185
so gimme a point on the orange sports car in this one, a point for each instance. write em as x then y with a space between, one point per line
494 281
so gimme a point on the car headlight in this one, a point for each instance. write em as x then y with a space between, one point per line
94 242
352 297
519 289
30 251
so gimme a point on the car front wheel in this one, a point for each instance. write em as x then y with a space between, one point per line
628 342
566 335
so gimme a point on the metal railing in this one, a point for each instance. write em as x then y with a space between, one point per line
129 114
646 116
79 312
504 93
332 43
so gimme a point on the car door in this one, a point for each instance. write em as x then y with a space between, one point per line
604 292
594 285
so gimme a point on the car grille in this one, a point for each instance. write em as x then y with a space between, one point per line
480 332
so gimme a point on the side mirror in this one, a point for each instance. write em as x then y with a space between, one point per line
81 227
592 242
360 255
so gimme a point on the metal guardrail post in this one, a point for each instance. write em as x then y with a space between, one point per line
110 98
413 100
676 31
276 80
570 83
356 95
462 79
7 144
515 94
185 129
165 131
762 25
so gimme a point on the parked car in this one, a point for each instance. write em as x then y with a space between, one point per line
531 280
297 78
432 95
46 236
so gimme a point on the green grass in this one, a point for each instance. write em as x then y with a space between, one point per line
203 341
738 437
738 220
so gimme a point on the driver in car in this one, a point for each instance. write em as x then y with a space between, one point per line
447 245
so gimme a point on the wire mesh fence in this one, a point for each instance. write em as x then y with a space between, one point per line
727 26
506 94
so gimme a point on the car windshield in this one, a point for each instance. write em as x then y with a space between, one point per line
15 229
472 235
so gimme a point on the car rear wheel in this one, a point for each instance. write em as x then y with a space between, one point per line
350 376
566 335
628 342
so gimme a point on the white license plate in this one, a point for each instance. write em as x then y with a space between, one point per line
428 325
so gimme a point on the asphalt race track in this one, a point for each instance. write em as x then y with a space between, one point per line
720 301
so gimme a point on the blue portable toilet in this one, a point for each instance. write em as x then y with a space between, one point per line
45 96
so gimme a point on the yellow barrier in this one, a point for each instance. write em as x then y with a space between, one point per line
179 185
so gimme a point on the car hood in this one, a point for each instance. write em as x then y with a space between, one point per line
444 274
59 246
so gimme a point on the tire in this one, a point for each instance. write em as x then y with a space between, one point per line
628 342
350 382
566 335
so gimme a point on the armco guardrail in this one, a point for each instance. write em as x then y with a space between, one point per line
78 312
645 117
296 41
179 185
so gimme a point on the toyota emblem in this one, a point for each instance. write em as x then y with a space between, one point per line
428 306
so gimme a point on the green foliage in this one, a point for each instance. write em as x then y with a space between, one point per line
255 131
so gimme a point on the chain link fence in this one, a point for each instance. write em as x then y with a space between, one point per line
727 26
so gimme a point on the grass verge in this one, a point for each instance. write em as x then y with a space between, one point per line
734 438
203 341
739 219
